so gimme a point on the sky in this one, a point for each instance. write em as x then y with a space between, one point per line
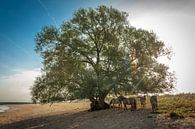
172 20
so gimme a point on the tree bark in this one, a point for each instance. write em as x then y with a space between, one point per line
98 104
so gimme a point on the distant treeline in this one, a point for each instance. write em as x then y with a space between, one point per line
3 103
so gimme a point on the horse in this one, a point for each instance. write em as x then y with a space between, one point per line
130 101
153 101
115 101
142 100
118 101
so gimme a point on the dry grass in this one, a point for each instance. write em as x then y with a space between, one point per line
182 105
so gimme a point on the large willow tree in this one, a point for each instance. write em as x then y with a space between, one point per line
98 53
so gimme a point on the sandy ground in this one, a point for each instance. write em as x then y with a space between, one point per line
75 116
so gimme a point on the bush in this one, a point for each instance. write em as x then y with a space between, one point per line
175 115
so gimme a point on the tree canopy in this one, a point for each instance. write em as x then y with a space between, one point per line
97 53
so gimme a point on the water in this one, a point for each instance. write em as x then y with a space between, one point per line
3 108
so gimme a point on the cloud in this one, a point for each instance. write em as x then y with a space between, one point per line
158 5
17 87
174 23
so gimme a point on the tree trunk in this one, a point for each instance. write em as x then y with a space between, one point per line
98 104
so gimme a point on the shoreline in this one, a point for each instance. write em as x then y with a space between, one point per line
4 108
21 112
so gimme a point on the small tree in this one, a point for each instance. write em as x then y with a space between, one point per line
97 53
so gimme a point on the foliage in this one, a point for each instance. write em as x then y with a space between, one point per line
92 55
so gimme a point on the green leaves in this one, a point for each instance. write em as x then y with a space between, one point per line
46 38
92 54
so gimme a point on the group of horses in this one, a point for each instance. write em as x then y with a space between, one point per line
133 102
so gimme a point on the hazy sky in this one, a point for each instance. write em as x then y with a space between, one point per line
172 20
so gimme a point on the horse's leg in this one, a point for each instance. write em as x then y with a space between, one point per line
132 107
125 107
153 107
156 108
120 105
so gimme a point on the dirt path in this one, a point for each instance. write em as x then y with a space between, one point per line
114 119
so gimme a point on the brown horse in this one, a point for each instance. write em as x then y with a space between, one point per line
153 101
142 100
115 101
130 101
118 101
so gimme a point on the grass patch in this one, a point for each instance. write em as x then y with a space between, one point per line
178 106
